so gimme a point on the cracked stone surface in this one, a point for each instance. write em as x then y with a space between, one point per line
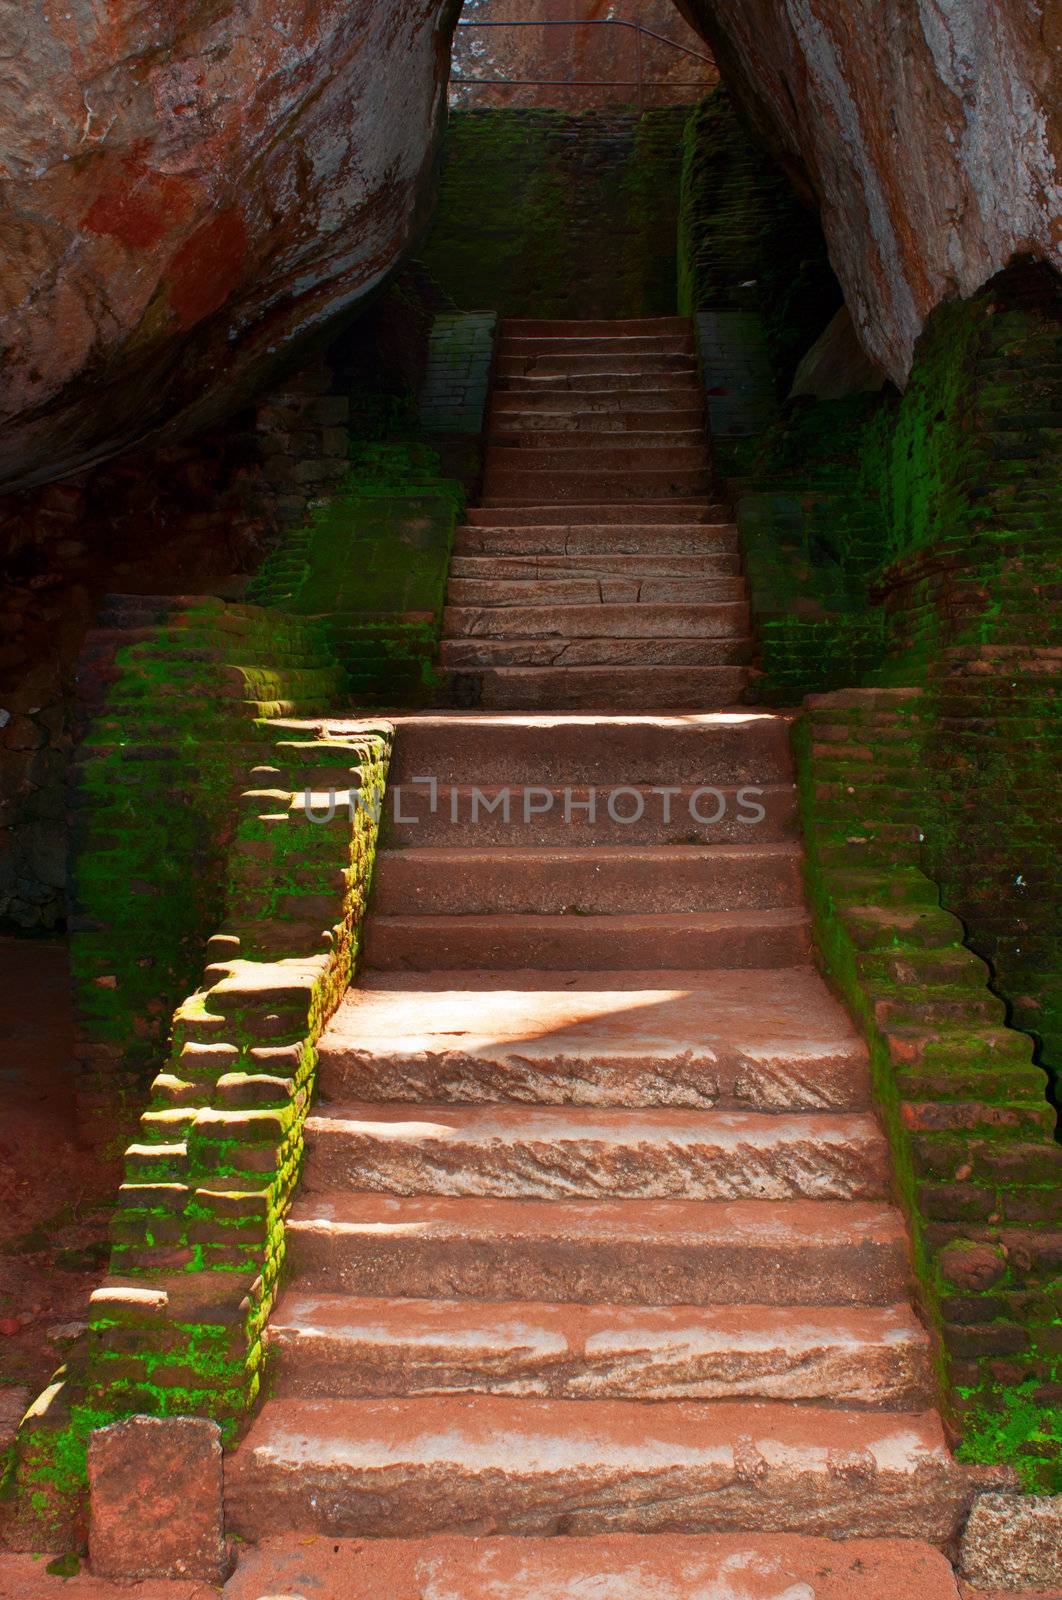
187 191
928 131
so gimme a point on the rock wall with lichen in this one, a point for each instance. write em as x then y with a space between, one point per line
928 133
189 193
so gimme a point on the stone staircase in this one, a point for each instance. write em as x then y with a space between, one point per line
597 571
595 1235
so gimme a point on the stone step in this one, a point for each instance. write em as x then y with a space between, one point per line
725 620
530 486
648 443
563 422
338 1345
465 655
536 589
525 344
617 1566
521 1466
597 397
559 815
638 382
591 328
571 569
630 1252
767 1041
600 513
724 939
600 688
607 879
609 540
604 459
565 1152
701 748
616 362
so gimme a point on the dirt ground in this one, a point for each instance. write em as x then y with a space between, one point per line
55 1195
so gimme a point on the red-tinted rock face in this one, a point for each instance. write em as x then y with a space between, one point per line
188 189
929 130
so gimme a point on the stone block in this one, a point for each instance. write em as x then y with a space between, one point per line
1014 1541
155 1487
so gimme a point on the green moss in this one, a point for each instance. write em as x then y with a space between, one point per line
745 242
554 214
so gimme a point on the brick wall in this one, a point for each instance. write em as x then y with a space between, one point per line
554 214
965 1103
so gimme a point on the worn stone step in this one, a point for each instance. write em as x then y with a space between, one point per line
601 688
606 458
770 1041
530 486
564 815
661 446
615 1566
544 1152
463 655
618 588
431 881
721 562
600 512
598 943
723 620
599 380
590 327
679 341
562 422
521 1466
339 1345
611 540
698 748
615 362
631 1252
600 396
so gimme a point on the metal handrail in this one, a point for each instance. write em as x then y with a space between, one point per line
636 28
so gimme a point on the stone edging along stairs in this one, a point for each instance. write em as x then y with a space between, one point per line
595 1233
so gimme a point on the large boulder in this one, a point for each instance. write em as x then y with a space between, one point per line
928 131
189 188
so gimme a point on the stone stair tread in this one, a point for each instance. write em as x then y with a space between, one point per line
724 618
695 510
557 568
606 1567
737 745
544 1151
777 937
609 687
517 1465
617 879
360 1346
706 1252
776 1039
469 653
462 820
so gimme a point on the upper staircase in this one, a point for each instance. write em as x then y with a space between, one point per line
598 571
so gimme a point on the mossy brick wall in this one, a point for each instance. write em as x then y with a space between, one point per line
370 564
964 1103
198 1237
918 540
926 521
453 398
175 694
746 244
559 214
